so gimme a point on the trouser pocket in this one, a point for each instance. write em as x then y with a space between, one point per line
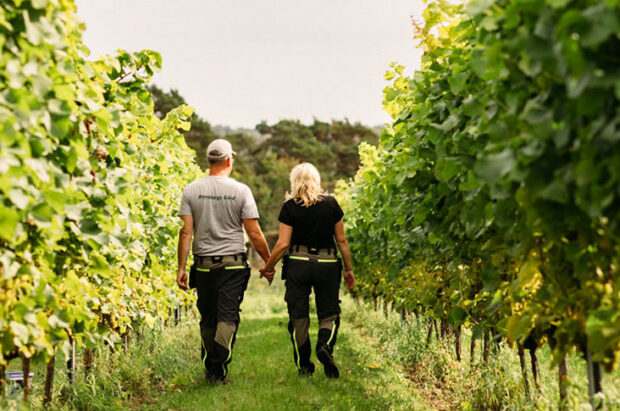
192 276
285 261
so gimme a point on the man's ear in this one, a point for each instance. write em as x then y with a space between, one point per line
228 161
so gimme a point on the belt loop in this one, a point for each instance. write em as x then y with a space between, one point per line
297 248
235 257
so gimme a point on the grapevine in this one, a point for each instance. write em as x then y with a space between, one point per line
89 182
492 200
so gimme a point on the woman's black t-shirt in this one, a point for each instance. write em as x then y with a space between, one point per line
312 226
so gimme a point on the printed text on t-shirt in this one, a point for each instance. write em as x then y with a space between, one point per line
212 197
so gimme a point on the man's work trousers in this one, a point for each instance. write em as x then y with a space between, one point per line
301 277
220 293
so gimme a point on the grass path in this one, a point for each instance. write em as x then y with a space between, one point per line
263 376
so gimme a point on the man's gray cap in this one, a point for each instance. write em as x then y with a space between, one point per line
219 149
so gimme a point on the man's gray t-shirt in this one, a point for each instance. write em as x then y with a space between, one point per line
218 205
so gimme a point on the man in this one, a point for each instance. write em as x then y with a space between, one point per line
215 210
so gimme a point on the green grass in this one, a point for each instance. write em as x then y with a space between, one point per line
444 383
384 361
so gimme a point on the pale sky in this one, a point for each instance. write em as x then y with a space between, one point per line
240 62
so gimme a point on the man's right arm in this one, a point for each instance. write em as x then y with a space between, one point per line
185 241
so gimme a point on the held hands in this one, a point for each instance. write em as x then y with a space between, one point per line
182 280
267 273
349 279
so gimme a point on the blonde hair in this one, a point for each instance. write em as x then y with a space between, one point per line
305 185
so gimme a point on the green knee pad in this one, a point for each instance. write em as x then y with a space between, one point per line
328 331
298 328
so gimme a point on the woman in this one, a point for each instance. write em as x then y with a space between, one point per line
309 220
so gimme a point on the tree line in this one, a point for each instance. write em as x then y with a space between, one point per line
266 156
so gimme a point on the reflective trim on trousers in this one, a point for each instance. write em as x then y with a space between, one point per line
320 260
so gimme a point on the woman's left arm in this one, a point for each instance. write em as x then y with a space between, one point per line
343 244
284 240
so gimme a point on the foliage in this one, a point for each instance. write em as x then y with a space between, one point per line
89 181
493 197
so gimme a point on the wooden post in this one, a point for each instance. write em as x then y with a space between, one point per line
485 347
594 380
526 383
472 351
534 363
2 380
71 364
430 333
436 329
126 341
26 375
49 380
496 339
457 342
563 381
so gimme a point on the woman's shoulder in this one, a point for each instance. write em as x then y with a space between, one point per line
290 203
326 198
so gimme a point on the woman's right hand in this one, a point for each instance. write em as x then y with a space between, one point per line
267 273
349 279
